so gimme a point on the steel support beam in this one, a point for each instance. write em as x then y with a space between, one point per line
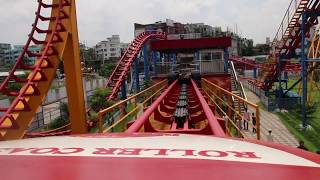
74 85
304 73
136 74
154 60
198 61
124 90
146 62
226 59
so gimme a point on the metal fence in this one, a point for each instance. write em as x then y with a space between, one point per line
273 103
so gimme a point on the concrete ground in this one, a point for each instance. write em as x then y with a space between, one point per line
270 121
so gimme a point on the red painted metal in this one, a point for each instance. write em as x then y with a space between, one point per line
145 117
213 122
245 61
288 40
202 43
123 68
37 69
145 156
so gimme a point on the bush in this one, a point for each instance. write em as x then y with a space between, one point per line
64 110
57 123
13 86
98 100
146 84
107 69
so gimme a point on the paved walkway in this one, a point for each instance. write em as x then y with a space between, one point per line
268 121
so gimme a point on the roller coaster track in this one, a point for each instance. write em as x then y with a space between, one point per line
288 38
60 37
123 68
286 41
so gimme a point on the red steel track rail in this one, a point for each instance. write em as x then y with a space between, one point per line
118 76
213 122
136 126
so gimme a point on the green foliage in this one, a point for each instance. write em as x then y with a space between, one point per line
98 100
57 123
107 69
13 86
292 120
64 110
93 116
26 61
146 84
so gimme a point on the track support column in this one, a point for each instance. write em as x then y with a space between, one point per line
155 60
304 73
74 85
226 59
124 90
146 62
136 74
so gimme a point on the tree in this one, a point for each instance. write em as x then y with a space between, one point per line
247 47
98 100
107 69
62 120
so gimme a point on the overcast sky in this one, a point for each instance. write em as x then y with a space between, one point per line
98 19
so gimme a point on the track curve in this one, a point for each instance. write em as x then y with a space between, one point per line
123 68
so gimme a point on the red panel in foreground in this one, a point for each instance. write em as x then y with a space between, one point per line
153 156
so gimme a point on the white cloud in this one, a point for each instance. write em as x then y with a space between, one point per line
101 18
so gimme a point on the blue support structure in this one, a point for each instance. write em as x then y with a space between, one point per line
198 60
174 61
255 73
154 60
136 74
226 59
304 72
145 62
124 90
161 57
286 76
304 65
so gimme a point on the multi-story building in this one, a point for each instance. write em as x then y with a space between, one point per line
176 30
11 55
111 49
4 49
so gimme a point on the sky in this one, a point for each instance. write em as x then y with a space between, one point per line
99 19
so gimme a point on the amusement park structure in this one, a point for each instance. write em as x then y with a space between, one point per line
290 43
187 122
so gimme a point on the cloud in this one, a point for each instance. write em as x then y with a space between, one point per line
99 19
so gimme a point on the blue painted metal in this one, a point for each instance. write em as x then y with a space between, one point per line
174 61
136 74
198 60
304 72
312 60
255 73
286 76
124 90
154 60
226 59
146 62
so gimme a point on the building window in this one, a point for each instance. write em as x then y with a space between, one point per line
211 55
216 55
113 49
206 56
